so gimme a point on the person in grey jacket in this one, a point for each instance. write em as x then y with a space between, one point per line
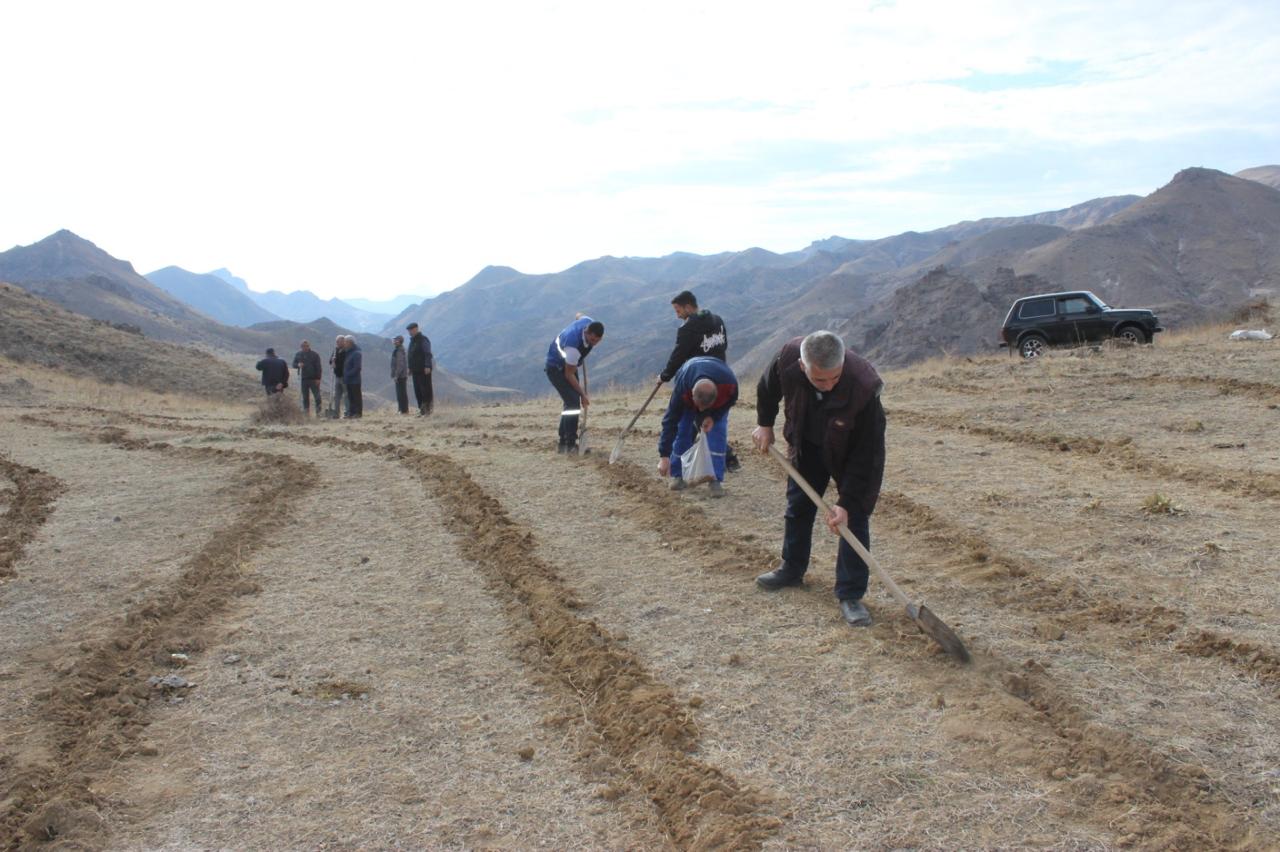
351 369
400 373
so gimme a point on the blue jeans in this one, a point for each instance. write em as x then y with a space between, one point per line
717 441
851 571
572 406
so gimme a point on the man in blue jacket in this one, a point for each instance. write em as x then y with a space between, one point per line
275 373
351 367
702 392
565 353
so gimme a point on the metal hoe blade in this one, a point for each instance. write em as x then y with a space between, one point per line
937 630
929 624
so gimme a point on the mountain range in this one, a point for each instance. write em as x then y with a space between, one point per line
1193 250
1196 249
80 277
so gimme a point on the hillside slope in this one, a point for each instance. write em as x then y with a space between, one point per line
38 331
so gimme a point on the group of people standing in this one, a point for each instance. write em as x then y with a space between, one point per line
834 429
346 362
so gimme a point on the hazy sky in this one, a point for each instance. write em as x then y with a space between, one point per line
370 149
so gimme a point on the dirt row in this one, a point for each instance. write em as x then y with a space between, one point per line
1147 798
1158 801
95 714
1120 452
637 719
1014 580
29 505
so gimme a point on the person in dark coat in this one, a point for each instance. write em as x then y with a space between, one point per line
704 391
275 373
307 362
400 373
420 364
834 428
335 361
352 365
702 335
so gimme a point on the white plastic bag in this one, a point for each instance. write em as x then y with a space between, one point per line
695 463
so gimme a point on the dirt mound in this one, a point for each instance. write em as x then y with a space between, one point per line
29 505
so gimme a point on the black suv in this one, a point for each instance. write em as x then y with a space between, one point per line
1072 319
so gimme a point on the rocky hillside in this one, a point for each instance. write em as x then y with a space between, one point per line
37 331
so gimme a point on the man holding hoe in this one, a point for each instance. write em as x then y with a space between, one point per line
835 430
569 349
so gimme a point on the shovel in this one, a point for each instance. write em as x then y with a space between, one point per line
582 431
929 624
617 448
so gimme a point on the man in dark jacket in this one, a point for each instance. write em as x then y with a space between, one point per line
351 369
335 361
702 335
420 364
704 391
307 362
400 373
275 373
835 430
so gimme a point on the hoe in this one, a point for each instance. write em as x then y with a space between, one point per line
929 624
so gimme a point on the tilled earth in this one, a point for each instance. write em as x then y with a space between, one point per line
438 633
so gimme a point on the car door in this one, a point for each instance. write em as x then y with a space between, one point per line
1075 323
1037 315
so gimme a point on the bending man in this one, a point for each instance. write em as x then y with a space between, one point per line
569 348
834 430
702 393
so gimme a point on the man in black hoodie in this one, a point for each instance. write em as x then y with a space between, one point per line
420 364
702 335
275 373
307 362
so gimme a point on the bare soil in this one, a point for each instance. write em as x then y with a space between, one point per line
435 632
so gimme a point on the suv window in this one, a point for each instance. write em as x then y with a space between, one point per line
1074 305
1036 308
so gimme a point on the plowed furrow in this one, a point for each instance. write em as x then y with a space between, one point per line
1119 452
1013 580
97 711
1152 800
639 719
29 507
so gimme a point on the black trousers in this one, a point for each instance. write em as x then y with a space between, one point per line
422 392
402 395
355 403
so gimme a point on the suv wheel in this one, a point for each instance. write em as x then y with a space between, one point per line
1132 334
1032 346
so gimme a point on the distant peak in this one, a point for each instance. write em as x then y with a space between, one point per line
1196 174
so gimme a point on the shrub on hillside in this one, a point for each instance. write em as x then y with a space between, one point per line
279 409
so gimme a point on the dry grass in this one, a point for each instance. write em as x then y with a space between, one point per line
279 409
1123 693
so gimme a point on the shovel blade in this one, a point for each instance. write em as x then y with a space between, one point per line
617 452
937 630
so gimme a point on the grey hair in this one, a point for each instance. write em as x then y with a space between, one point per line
704 392
822 349
350 337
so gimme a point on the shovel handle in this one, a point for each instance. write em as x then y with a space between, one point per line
652 394
844 530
